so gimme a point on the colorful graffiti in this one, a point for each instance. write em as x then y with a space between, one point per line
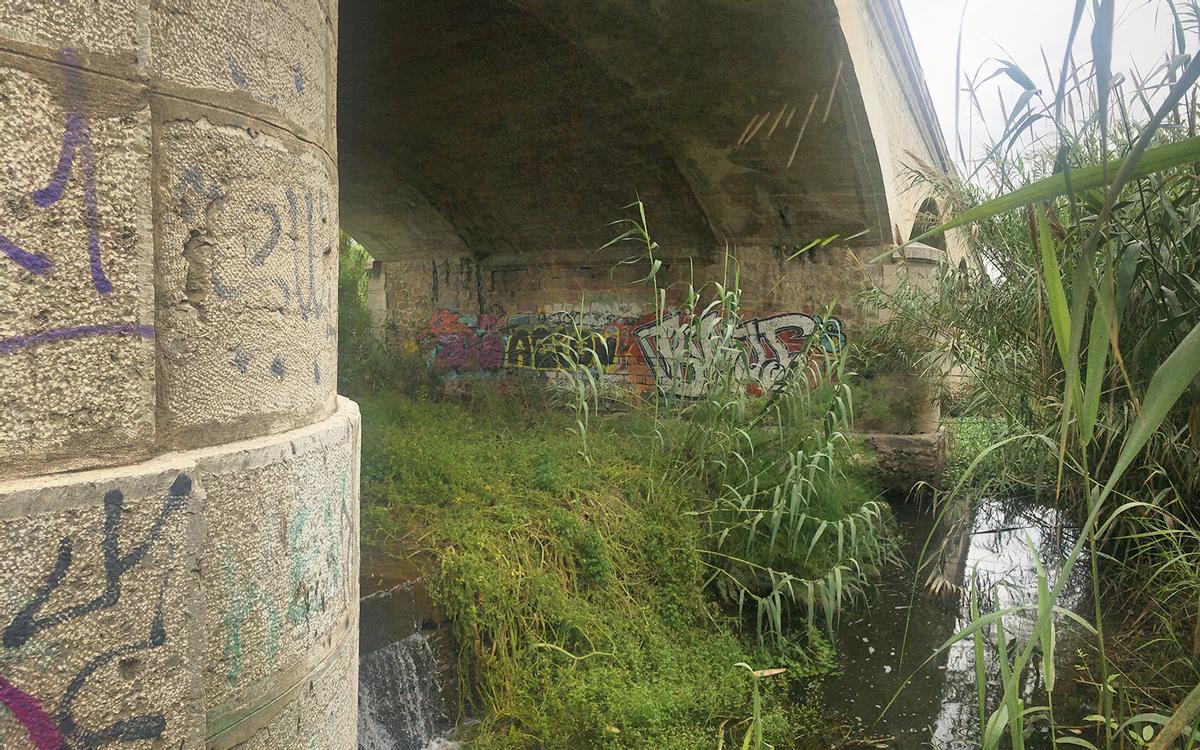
548 343
649 352
59 728
677 349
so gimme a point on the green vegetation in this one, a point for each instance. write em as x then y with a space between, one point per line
1078 338
576 592
667 576
624 580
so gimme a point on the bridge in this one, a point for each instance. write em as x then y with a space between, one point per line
178 477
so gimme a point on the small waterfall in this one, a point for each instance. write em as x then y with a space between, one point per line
401 705
406 665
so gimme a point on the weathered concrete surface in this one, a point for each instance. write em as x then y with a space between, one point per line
204 596
98 607
178 482
288 599
279 53
905 461
76 334
168 266
115 30
246 282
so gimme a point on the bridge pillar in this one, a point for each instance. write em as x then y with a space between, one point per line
178 478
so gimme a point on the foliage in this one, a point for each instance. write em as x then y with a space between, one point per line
789 527
599 587
1078 335
575 588
368 362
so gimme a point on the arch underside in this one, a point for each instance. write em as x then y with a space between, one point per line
519 130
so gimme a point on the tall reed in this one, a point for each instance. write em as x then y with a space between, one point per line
1080 331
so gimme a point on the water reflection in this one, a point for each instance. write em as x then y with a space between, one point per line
900 628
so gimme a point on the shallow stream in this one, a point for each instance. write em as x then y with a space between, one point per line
406 676
891 638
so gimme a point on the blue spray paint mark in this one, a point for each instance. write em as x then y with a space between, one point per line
16 343
241 360
236 73
268 247
299 78
33 262
279 367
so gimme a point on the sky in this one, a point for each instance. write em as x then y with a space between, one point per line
1018 30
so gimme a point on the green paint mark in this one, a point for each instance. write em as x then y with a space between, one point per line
240 606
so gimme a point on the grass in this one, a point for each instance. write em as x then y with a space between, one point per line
669 576
576 591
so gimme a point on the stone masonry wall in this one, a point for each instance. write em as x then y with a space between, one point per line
473 317
178 479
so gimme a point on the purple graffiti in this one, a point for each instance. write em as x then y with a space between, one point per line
29 712
17 343
77 140
33 262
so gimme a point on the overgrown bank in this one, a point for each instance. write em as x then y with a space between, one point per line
575 588
666 576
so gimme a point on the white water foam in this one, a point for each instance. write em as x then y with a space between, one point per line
398 700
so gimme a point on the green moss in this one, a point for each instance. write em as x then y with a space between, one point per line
577 593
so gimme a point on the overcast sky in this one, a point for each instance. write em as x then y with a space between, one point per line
1017 30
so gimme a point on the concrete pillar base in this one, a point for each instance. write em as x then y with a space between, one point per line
204 598
903 461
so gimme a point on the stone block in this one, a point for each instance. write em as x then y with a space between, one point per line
203 598
89 26
247 281
281 559
98 610
904 464
277 53
76 251
318 712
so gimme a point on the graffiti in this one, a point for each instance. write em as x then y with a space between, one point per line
555 344
303 287
317 569
76 142
318 532
462 343
678 350
465 343
236 74
243 601
16 343
76 156
59 729
670 352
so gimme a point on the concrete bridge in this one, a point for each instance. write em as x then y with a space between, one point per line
178 478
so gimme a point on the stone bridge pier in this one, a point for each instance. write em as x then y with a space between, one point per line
178 478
